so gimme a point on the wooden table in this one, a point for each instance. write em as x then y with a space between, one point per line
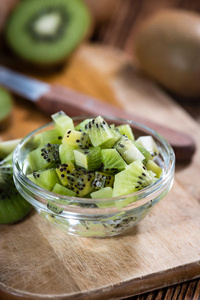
119 32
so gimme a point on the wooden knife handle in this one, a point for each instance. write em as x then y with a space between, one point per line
77 104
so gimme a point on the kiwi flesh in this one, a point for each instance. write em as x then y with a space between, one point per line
46 32
89 159
6 106
44 178
7 147
112 162
63 171
62 122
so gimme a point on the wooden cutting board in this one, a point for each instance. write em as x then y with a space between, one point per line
38 262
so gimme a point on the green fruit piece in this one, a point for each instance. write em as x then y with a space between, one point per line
76 138
152 166
128 150
62 122
102 180
44 157
46 32
6 105
50 136
66 153
112 162
60 189
7 147
146 153
89 159
125 129
149 144
100 133
133 178
81 125
63 171
13 207
46 179
80 181
102 193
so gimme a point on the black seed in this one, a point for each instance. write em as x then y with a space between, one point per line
69 132
77 141
60 137
48 160
104 122
137 187
97 125
139 182
68 171
62 175
46 156
144 174
90 125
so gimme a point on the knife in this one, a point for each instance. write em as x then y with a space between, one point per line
51 98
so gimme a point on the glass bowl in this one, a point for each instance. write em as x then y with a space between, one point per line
94 217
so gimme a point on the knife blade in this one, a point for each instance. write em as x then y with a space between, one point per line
51 98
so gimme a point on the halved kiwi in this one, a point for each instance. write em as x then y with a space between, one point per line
46 32
6 105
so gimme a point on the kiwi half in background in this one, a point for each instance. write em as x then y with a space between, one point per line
6 105
45 32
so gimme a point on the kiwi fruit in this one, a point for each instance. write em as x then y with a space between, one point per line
167 48
112 162
44 157
13 207
63 171
128 150
81 166
44 178
89 159
6 147
133 178
6 106
46 32
76 138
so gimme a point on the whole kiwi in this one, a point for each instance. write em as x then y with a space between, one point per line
167 46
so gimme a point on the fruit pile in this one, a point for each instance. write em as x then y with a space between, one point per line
92 159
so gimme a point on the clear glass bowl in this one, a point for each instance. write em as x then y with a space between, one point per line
83 216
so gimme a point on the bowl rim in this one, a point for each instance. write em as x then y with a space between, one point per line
164 180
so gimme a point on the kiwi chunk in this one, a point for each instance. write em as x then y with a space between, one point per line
44 157
7 147
133 178
89 159
6 105
66 153
76 138
44 178
63 172
112 162
128 150
102 180
46 32
125 129
149 144
62 122
60 189
50 136
100 133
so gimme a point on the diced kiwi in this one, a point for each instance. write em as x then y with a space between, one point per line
44 157
100 133
89 159
133 178
102 180
145 152
154 167
46 32
80 181
112 161
62 122
128 150
7 147
106 192
76 138
125 129
64 170
149 144
6 105
50 136
81 125
66 153
103 193
44 178
60 189
13 207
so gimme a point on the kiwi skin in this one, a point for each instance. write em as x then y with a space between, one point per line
167 48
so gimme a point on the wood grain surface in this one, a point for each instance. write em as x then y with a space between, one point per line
39 262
